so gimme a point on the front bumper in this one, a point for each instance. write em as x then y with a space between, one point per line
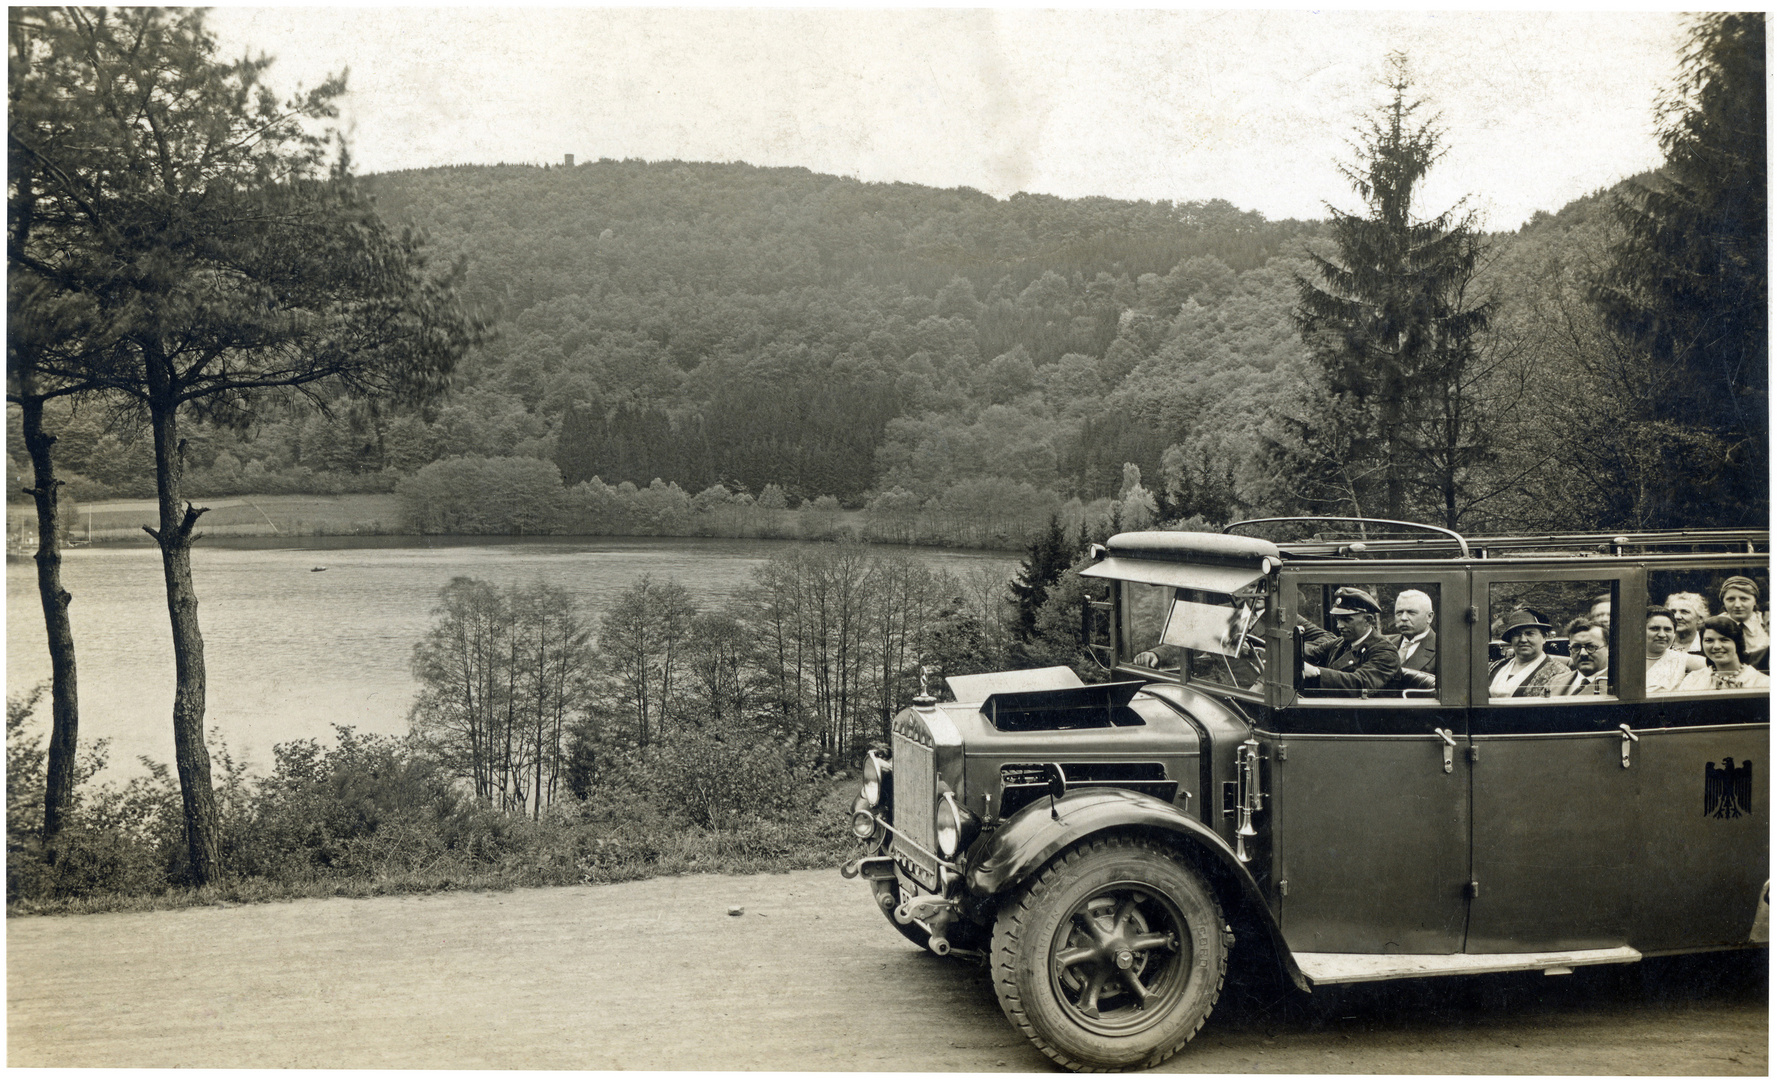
904 898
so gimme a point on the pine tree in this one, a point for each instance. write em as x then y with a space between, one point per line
217 258
1392 324
1050 554
1689 283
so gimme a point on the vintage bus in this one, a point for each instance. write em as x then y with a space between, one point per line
1256 768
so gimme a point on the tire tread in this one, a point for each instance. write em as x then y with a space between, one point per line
1009 927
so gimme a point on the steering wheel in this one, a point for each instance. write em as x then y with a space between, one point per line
1252 646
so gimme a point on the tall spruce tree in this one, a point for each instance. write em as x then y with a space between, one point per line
1393 324
1689 281
1050 555
217 258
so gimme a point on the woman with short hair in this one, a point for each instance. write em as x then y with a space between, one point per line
1688 609
1666 665
1739 601
1724 645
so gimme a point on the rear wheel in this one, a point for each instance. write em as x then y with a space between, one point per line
1113 957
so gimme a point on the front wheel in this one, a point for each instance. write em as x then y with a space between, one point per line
1113 957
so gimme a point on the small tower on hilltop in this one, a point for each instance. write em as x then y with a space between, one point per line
567 161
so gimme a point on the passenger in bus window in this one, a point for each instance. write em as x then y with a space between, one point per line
1358 657
1527 670
1588 650
1666 666
1724 644
1414 637
1599 615
1739 601
1688 612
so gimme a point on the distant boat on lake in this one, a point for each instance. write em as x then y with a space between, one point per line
316 569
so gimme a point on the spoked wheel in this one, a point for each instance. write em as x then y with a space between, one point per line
1112 958
1119 963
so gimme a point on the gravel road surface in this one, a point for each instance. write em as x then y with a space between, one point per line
658 975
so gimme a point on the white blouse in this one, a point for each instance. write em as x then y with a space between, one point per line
1747 678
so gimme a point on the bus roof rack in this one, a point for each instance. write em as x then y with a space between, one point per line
1446 543
1361 523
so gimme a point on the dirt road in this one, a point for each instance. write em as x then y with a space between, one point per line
657 975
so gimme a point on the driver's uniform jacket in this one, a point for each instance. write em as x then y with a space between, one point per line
1371 665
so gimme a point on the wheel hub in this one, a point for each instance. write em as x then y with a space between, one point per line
1117 958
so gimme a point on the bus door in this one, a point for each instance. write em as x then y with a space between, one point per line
1702 763
1369 787
1556 835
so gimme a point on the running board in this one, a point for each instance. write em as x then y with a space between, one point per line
1327 967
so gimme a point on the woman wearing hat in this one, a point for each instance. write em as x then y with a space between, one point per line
1528 670
1724 645
1739 601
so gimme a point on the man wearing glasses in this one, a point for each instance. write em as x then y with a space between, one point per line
1589 653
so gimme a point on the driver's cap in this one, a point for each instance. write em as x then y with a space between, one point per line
1350 601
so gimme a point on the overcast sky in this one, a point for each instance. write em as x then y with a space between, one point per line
1252 107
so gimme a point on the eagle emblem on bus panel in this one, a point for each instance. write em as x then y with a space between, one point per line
1727 789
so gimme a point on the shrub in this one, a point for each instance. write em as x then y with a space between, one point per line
717 782
127 839
369 805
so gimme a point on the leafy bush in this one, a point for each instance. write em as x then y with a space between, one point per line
721 782
376 814
369 805
127 840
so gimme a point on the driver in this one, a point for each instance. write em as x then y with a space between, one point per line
1359 656
1244 666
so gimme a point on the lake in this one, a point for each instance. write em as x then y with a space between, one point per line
291 652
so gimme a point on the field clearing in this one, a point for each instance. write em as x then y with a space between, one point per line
121 520
233 515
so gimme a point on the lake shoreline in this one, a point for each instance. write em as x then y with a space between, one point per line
119 522
303 634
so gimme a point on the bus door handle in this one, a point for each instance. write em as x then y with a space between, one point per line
1449 738
1628 738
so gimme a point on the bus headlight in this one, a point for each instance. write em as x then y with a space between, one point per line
874 767
956 826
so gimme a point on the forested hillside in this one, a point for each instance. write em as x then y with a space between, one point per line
781 333
725 324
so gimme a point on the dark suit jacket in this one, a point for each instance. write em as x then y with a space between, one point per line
1371 666
1561 685
1424 658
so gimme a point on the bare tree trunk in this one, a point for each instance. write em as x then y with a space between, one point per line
202 828
64 734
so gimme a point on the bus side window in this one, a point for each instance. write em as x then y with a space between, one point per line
1376 641
1559 639
1716 625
